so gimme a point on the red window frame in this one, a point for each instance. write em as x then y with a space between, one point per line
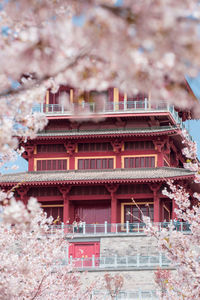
50 148
133 214
94 147
139 162
138 145
95 163
52 165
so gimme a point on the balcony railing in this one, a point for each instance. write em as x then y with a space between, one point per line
116 228
118 262
129 106
107 107
127 295
104 107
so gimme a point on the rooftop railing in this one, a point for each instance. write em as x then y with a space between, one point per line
127 295
104 107
118 262
116 228
126 106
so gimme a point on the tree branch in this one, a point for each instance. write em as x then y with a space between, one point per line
12 91
40 284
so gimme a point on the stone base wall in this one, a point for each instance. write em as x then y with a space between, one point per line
133 280
128 246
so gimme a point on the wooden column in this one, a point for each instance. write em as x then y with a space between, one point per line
174 205
71 148
30 155
118 161
159 146
112 188
66 209
116 99
22 192
117 148
156 201
156 205
113 208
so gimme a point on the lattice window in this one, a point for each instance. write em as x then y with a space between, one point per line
134 189
98 163
54 209
139 162
51 164
44 191
134 214
89 190
94 147
49 148
138 145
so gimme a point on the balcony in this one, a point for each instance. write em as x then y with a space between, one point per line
127 106
116 229
120 262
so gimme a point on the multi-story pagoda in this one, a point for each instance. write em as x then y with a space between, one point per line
95 160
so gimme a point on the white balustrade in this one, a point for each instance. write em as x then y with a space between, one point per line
115 262
126 295
109 107
116 228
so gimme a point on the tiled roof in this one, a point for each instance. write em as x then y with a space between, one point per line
110 131
94 176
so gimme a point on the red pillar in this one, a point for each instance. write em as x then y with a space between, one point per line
156 201
112 188
22 192
30 155
159 146
156 204
160 162
71 148
174 205
113 208
65 193
66 210
31 164
118 161
117 148
71 163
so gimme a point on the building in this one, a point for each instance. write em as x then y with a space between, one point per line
104 163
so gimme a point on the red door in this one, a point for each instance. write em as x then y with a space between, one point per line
93 213
84 253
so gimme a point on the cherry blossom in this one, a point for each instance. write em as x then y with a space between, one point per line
33 261
182 249
138 46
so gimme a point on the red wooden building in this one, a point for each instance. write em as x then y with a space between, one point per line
94 157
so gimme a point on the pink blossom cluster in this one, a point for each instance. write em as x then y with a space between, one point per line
33 261
45 44
182 249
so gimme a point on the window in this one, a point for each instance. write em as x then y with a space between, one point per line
139 162
99 163
138 145
43 148
134 214
94 147
43 191
51 164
